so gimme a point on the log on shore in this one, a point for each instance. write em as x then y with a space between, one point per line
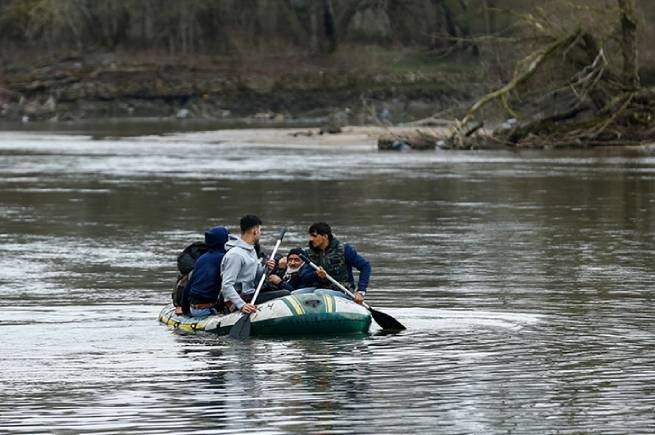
473 138
418 141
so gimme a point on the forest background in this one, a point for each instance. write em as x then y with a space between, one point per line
343 61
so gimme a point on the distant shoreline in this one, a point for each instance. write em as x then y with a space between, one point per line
359 137
120 86
351 138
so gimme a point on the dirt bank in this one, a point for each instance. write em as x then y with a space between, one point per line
107 86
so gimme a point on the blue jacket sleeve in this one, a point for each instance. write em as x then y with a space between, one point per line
353 259
307 277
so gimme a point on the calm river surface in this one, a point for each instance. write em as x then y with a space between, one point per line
526 281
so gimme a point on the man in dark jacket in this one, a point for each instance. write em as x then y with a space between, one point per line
292 273
205 282
337 260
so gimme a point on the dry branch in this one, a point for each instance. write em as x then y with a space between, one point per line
532 62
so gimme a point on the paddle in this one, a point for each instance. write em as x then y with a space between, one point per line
382 319
241 329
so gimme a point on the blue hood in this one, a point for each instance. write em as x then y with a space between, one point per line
216 237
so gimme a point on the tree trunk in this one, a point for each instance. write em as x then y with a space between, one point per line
451 26
313 27
439 24
629 41
329 26
489 7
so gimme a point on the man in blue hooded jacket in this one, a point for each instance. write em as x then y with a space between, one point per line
205 282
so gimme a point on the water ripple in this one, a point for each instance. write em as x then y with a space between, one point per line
525 281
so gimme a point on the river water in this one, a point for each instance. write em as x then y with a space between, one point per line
525 280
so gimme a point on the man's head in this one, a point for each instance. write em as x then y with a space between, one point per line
294 261
320 235
250 228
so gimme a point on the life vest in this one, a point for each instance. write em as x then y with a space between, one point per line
333 260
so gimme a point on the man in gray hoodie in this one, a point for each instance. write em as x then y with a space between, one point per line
240 267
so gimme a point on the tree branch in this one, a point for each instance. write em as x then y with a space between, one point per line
532 62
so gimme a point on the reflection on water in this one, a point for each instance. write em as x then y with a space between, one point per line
525 281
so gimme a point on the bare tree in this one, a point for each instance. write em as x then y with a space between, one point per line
594 104
629 40
329 25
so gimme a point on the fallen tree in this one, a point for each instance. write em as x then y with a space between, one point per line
566 93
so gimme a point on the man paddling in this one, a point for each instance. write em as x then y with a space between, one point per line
337 260
240 267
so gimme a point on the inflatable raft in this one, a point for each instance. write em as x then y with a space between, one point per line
303 314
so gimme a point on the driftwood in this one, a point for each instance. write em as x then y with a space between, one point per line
602 107
418 140
609 108
527 68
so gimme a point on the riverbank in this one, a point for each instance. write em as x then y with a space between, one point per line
350 138
126 95
299 137
391 87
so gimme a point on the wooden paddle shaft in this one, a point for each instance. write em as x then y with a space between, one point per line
264 275
335 282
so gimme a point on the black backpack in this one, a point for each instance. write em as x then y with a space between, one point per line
189 255
185 262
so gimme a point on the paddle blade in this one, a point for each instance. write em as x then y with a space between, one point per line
241 329
386 321
282 233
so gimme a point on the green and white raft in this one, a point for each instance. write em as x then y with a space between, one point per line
303 314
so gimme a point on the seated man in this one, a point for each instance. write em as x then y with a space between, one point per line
292 273
205 280
337 260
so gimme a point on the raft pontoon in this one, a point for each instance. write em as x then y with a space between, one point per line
302 314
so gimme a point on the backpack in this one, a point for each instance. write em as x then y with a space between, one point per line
189 255
185 261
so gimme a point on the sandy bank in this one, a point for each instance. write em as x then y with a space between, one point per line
359 137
